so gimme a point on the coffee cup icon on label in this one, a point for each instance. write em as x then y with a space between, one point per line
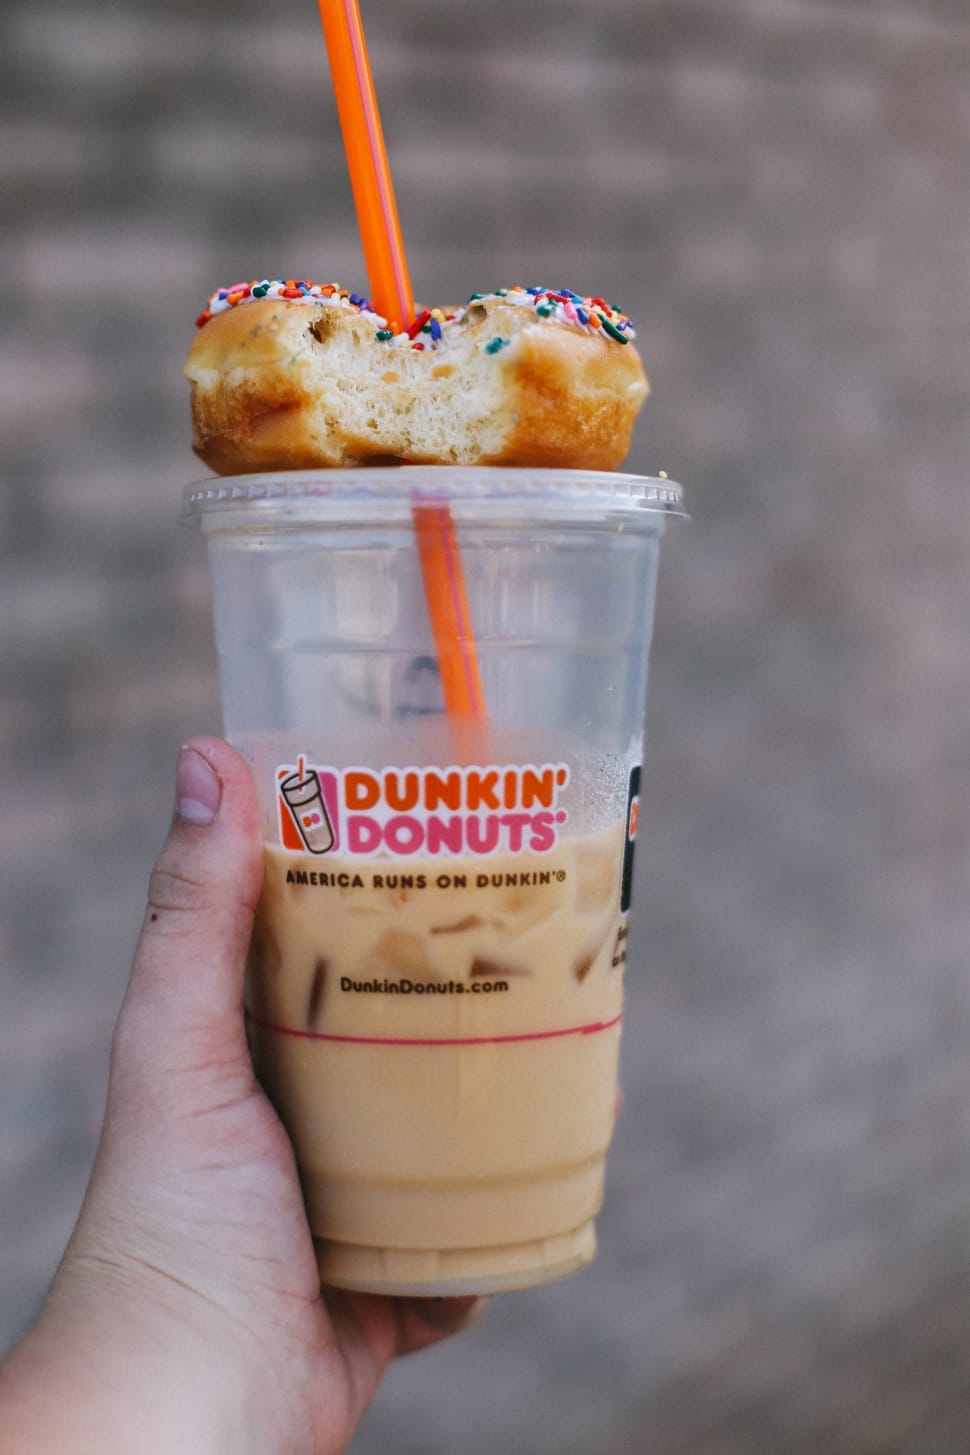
304 798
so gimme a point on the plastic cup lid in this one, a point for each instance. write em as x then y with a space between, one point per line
405 485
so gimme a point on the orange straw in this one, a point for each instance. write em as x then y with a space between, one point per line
444 587
370 176
390 287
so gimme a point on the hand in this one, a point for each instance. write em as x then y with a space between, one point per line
186 1315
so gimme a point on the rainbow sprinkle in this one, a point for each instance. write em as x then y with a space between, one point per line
430 326
294 290
563 305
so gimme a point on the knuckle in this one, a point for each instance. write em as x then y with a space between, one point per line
171 892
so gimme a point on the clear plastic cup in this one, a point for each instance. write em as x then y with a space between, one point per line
434 996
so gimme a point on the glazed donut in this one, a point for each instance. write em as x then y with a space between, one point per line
295 375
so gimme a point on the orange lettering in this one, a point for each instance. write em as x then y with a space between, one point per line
401 796
537 787
362 789
482 789
442 788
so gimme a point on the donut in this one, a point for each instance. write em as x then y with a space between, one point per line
288 374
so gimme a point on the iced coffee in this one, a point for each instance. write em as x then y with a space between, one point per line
459 1020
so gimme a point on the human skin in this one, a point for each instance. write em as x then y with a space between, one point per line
186 1314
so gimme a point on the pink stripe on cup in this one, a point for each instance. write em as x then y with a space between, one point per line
592 1028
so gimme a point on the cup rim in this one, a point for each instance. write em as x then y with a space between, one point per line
327 490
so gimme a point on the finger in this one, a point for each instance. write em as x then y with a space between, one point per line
186 988
424 1321
371 1330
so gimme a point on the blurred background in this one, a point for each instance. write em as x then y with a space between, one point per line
776 191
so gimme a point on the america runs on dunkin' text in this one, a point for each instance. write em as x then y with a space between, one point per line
344 879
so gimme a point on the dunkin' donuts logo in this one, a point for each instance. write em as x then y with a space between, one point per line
397 812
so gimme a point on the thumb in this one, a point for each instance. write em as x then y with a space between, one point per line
184 1006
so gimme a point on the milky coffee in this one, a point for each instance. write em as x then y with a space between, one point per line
440 1037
